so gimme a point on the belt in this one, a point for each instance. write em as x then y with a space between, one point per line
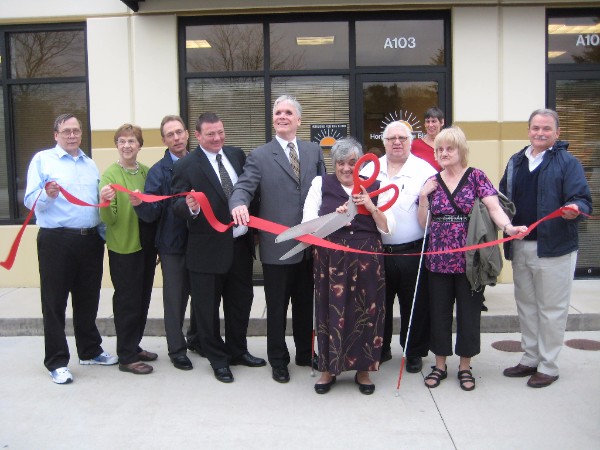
402 247
79 231
452 218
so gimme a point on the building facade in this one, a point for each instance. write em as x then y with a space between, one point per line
354 67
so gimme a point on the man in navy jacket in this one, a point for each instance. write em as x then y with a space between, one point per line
171 239
539 179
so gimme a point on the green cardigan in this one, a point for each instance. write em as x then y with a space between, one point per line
122 229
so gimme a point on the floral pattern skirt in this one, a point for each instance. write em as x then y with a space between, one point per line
349 306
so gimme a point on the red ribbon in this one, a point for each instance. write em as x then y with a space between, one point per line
255 222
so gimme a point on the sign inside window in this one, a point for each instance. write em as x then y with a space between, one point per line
574 40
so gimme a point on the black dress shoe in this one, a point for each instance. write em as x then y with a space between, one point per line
281 374
366 389
246 359
224 375
195 347
385 356
414 364
182 362
306 362
324 388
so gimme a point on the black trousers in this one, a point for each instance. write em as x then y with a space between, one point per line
69 263
176 292
236 290
132 276
284 283
400 280
444 291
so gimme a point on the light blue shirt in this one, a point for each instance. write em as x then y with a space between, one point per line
78 175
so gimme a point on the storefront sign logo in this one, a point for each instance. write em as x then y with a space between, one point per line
326 135
406 117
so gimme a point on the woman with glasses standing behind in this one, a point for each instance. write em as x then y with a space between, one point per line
131 252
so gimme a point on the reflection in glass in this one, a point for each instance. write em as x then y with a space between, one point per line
4 203
224 48
574 40
324 100
308 45
385 102
400 43
239 102
577 106
35 109
44 54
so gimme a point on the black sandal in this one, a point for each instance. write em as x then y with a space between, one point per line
464 377
437 375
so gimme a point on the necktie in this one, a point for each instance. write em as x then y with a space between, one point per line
294 160
225 179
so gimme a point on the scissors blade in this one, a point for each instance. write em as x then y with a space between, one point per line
302 228
297 249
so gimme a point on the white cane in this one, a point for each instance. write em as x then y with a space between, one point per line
412 309
314 332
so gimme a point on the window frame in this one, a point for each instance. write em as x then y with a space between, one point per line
7 82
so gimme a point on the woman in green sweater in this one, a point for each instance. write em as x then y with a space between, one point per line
131 252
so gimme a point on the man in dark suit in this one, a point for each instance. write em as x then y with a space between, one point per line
220 264
270 173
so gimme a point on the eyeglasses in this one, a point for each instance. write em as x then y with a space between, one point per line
402 139
177 133
131 141
68 132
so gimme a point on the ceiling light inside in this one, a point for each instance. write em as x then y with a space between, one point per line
197 43
315 40
561 28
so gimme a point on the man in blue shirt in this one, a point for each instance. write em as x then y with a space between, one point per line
70 248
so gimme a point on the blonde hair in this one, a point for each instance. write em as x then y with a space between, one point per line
453 137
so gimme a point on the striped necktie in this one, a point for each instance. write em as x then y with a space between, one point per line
294 160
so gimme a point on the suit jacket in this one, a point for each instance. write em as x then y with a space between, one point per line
208 251
268 173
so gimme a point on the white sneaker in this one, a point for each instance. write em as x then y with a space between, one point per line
62 375
103 359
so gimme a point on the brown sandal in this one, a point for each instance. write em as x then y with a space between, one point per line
464 377
437 375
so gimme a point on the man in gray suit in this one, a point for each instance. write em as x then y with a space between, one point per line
269 173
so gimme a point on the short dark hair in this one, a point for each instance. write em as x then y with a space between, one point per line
62 119
171 118
434 113
207 117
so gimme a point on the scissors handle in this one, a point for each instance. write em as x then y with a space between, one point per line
358 182
388 204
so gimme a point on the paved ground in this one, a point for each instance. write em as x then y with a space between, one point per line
104 408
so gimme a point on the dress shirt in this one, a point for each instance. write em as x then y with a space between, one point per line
534 161
284 144
239 230
78 175
409 180
314 198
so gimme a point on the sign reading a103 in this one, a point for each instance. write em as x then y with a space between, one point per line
588 39
400 42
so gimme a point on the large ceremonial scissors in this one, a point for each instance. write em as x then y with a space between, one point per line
325 225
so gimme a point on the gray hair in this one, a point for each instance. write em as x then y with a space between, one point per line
397 124
545 112
345 148
288 98
62 119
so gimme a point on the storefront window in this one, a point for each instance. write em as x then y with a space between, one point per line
224 48
302 46
239 102
400 43
574 40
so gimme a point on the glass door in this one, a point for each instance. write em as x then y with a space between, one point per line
382 99
575 96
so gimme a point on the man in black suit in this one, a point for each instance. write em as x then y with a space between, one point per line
220 264
270 172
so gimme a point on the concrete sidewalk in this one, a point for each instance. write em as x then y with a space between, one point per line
168 409
21 314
